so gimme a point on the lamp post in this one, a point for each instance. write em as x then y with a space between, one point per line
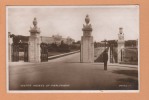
105 55
105 43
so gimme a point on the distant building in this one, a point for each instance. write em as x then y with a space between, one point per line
44 39
57 39
48 40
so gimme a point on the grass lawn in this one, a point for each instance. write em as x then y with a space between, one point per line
53 53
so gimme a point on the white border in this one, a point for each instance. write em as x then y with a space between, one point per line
70 91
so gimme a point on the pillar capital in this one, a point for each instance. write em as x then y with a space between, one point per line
87 28
34 30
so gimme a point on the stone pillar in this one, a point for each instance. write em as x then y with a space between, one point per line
87 44
34 43
10 41
109 57
121 44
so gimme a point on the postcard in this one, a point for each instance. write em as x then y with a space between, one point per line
73 48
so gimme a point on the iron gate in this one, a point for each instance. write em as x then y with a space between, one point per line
25 52
15 52
19 47
44 52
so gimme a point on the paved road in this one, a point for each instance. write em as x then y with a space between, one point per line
66 73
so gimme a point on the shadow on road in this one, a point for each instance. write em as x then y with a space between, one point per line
72 62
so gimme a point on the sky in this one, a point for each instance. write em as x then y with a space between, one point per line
68 20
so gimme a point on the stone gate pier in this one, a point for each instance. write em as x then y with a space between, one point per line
34 43
121 44
87 44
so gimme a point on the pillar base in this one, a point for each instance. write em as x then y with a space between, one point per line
34 49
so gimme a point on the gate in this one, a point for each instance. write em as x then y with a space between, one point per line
25 52
44 52
19 47
15 52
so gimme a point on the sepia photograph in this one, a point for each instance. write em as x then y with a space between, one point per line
73 48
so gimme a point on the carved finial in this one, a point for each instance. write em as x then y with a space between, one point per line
35 22
120 30
87 19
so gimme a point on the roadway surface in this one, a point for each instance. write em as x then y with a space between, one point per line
67 73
